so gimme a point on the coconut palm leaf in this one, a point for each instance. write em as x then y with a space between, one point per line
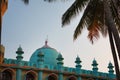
115 14
86 19
93 19
73 10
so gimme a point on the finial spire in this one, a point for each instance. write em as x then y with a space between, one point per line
46 41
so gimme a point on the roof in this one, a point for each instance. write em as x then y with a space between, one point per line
50 55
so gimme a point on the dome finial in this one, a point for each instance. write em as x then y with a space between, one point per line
46 41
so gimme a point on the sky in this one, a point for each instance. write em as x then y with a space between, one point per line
30 25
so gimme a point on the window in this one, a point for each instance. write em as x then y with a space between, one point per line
29 76
72 78
52 77
6 75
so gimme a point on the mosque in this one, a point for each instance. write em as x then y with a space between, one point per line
48 64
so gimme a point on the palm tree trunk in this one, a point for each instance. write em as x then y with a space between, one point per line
114 54
0 21
111 24
113 35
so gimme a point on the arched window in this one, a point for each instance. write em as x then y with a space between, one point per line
72 78
52 77
30 76
6 75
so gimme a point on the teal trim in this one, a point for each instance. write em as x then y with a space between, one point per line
40 73
18 74
60 76
79 78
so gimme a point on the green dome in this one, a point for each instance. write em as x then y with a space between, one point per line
50 55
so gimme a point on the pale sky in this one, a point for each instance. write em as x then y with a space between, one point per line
30 25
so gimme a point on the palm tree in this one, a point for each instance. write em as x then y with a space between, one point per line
100 16
4 5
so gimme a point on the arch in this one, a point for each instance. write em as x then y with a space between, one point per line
72 78
31 75
52 76
7 74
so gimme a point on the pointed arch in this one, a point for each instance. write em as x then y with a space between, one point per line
8 74
31 75
72 78
52 76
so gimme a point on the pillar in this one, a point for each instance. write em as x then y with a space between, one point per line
18 74
19 57
40 65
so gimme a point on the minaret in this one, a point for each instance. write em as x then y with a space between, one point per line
78 64
78 67
95 68
40 65
19 57
2 50
60 61
111 71
60 66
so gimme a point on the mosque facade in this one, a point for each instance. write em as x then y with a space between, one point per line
48 64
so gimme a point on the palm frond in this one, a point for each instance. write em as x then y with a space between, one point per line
101 18
93 25
94 31
116 14
86 19
26 1
93 19
74 9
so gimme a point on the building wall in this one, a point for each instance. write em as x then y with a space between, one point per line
46 73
